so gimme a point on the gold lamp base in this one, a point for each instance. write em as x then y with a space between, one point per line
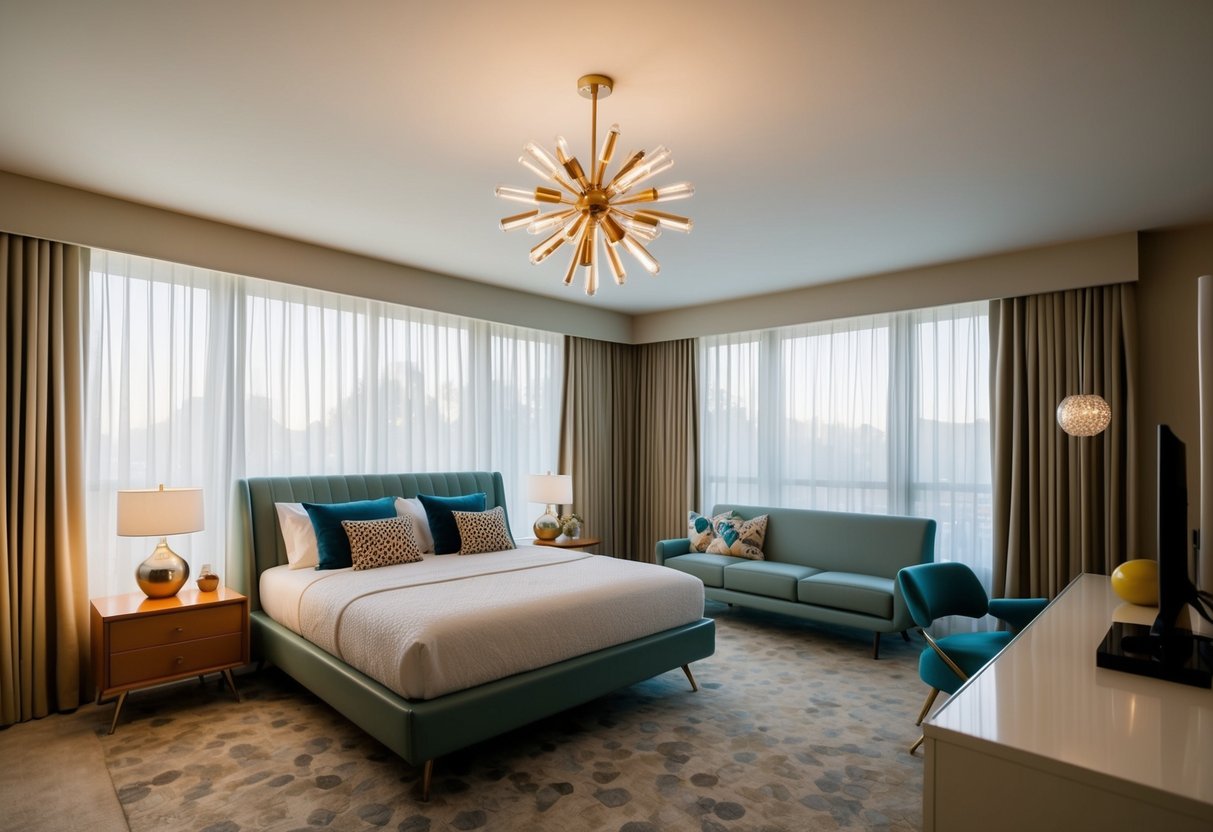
547 526
163 573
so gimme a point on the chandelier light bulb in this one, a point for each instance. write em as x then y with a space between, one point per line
595 212
546 222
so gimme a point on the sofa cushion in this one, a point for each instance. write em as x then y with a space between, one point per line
868 594
774 580
707 568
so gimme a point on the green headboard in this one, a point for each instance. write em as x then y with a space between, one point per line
255 541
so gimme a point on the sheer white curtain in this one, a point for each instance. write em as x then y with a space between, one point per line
880 414
198 378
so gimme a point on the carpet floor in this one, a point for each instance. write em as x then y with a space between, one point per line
795 728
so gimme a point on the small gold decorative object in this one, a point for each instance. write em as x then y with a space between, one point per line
208 581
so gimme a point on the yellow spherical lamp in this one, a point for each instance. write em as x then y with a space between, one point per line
1136 581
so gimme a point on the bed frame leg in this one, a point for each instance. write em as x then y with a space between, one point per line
686 668
427 775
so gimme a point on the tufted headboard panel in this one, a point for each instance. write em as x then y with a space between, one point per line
255 540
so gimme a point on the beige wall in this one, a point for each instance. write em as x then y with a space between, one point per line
54 212
1168 391
1074 265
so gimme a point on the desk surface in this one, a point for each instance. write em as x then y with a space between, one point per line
1044 698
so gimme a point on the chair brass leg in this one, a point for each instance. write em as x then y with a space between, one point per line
231 683
927 706
118 710
427 775
917 743
686 668
876 645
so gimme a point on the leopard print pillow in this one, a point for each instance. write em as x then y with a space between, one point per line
375 543
483 531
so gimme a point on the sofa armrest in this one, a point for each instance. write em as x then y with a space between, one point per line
671 549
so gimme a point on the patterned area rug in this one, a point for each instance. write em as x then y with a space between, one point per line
795 727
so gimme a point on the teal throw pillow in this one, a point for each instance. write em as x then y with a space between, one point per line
442 521
331 540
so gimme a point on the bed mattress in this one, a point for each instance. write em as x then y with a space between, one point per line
452 622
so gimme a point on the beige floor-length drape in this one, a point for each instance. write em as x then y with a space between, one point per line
43 565
667 443
1062 505
629 438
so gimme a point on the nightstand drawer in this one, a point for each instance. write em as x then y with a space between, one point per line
173 627
136 666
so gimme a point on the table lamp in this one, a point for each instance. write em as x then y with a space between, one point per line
551 490
158 513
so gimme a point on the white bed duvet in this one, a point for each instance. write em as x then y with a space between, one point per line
455 621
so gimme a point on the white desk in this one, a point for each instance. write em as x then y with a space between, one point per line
1043 739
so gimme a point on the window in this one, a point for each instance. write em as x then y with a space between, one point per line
886 414
199 378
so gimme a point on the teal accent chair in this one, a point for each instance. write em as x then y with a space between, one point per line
937 590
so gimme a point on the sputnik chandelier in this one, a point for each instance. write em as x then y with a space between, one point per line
593 207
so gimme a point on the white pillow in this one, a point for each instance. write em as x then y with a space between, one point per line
302 551
421 525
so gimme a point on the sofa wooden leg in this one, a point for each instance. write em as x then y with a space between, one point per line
876 645
905 634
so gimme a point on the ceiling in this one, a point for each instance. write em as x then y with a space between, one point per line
826 140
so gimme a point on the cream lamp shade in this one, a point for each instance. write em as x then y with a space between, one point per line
158 513
551 490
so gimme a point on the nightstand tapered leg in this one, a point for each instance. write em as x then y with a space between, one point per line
118 710
231 683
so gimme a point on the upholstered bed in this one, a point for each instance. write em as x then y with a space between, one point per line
420 730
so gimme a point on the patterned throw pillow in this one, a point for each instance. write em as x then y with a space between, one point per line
701 531
740 538
375 543
482 531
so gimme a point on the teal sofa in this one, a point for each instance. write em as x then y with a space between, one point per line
828 566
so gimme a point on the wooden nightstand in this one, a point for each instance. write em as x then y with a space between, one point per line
139 641
573 544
